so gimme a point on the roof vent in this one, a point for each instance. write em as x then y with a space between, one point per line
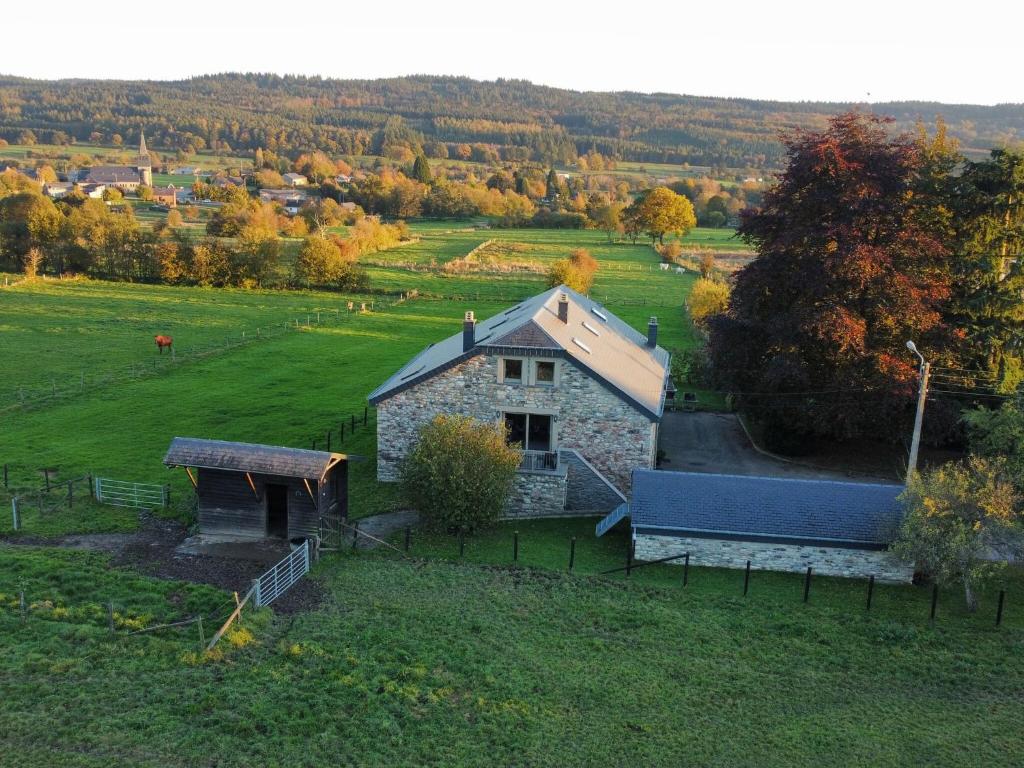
563 307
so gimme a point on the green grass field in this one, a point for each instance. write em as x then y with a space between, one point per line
428 662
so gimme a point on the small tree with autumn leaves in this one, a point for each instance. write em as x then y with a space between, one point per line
577 271
459 474
957 517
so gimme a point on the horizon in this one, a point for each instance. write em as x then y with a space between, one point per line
877 53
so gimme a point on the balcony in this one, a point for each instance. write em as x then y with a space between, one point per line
539 461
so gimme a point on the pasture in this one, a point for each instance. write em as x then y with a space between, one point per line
440 660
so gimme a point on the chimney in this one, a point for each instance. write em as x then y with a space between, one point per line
468 332
563 308
652 332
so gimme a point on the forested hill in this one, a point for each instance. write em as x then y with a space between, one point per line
507 119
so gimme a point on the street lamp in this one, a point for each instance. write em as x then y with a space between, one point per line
922 394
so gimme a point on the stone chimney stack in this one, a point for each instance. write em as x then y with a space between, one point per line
563 308
652 332
468 332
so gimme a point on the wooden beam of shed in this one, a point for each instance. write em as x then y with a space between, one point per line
309 490
191 477
252 485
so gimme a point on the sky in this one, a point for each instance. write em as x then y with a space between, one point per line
788 50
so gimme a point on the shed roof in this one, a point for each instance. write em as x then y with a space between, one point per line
593 338
249 457
739 506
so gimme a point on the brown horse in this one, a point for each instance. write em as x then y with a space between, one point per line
164 341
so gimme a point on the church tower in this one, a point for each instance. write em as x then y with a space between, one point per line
145 165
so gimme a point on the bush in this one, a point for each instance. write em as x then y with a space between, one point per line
577 271
459 474
708 297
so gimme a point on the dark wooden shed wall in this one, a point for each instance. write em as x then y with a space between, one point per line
227 504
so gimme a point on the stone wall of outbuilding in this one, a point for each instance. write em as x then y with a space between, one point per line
726 553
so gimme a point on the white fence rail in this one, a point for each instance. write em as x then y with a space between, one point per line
119 493
279 579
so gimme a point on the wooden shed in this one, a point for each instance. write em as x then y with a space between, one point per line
258 491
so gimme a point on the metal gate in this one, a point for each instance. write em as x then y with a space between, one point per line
119 493
331 532
279 579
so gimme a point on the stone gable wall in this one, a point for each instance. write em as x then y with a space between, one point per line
610 433
826 561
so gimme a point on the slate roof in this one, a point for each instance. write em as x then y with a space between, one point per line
745 507
249 457
594 339
110 174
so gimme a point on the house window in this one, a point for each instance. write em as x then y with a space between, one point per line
529 431
513 370
545 372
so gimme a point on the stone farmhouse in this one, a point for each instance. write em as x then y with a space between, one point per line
579 390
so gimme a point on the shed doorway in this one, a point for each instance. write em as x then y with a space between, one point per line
277 510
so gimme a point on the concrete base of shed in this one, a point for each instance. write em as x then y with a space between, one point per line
260 550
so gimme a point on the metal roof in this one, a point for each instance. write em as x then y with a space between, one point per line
249 457
739 506
594 339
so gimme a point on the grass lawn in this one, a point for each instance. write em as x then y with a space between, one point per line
457 664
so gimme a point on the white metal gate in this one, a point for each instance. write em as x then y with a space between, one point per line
279 579
119 493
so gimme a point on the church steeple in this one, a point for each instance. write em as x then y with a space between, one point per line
144 164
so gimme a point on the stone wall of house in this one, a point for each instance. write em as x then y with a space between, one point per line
826 561
537 494
609 432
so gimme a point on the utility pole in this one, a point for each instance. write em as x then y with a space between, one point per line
922 395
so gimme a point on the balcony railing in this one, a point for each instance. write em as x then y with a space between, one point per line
539 461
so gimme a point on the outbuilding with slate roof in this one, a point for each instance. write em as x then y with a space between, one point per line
580 391
263 491
781 524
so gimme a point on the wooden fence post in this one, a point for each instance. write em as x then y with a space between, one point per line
5 476
871 590
199 621
355 534
366 411
807 584
746 579
21 603
686 568
572 552
71 500
110 615
935 601
999 608
408 534
15 514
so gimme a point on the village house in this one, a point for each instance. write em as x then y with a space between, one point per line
166 195
580 392
295 180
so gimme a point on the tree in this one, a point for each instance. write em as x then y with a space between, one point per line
174 219
988 281
459 474
421 170
145 193
849 267
33 263
319 262
999 435
707 265
707 298
608 218
576 272
661 211
956 515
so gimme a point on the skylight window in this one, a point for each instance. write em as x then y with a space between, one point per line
581 345
599 313
591 328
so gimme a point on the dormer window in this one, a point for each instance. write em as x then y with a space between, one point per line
512 371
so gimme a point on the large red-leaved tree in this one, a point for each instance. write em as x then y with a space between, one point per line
849 267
